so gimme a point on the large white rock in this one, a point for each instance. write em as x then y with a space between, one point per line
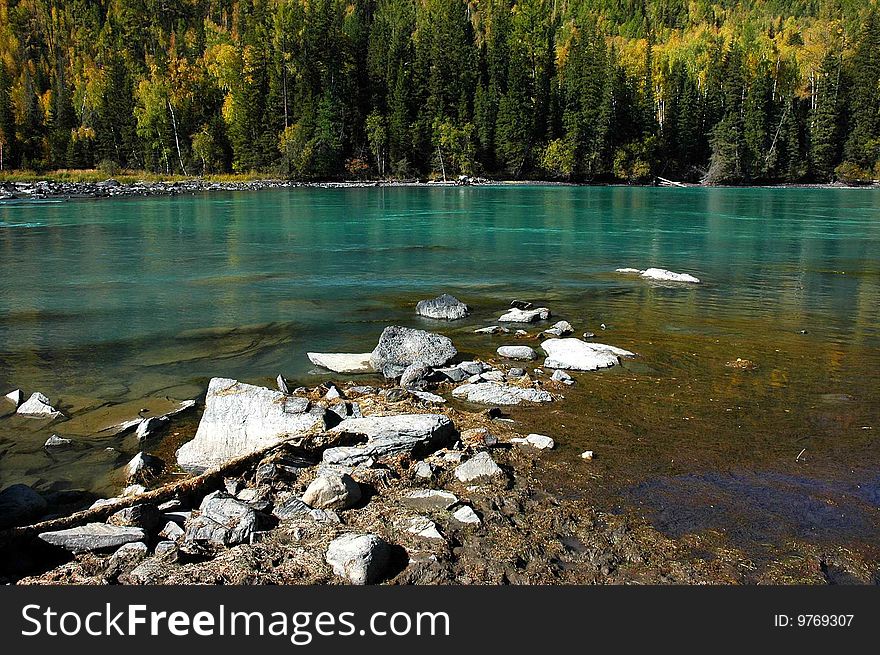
661 274
359 558
539 441
240 419
478 467
577 355
389 435
516 315
38 405
399 347
517 352
346 363
445 307
495 393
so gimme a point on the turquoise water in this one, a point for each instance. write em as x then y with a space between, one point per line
112 301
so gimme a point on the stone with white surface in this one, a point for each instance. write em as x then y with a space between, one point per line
346 363
494 393
577 355
359 558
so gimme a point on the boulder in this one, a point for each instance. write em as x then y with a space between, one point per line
240 419
57 442
347 363
415 376
516 315
38 405
145 516
143 466
389 435
399 347
495 393
359 558
466 514
472 368
92 537
517 352
332 491
559 329
539 441
578 355
660 274
429 499
479 467
223 521
126 557
445 307
19 504
15 397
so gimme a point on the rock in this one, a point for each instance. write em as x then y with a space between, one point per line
359 558
587 454
428 397
15 397
561 376
525 315
346 410
346 363
660 274
133 490
224 521
560 329
494 393
520 304
539 441
290 507
394 395
19 504
38 405
479 467
517 352
126 557
423 470
578 355
521 334
282 384
145 516
150 571
57 442
171 531
332 491
589 335
240 419
165 548
422 526
493 376
492 329
361 390
445 307
92 537
151 426
296 405
429 499
333 392
143 467
466 514
414 377
389 435
516 373
472 368
399 347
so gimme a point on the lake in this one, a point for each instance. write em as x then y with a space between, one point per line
112 301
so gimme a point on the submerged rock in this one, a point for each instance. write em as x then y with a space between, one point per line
240 419
492 329
516 315
39 406
524 353
57 442
19 504
444 307
578 355
495 393
151 426
389 435
346 363
92 537
142 467
359 558
400 347
660 274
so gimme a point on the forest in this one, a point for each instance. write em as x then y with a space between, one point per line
721 92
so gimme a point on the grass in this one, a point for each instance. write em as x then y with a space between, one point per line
125 176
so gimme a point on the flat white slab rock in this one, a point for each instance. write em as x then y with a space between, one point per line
660 274
350 363
576 355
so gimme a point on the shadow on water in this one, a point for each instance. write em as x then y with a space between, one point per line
754 507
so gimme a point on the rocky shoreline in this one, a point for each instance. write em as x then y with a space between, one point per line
423 479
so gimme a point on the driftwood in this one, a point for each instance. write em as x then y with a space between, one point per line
664 182
193 486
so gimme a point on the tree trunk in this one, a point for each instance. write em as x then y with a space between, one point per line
176 139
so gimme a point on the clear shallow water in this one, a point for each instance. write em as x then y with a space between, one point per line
116 300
